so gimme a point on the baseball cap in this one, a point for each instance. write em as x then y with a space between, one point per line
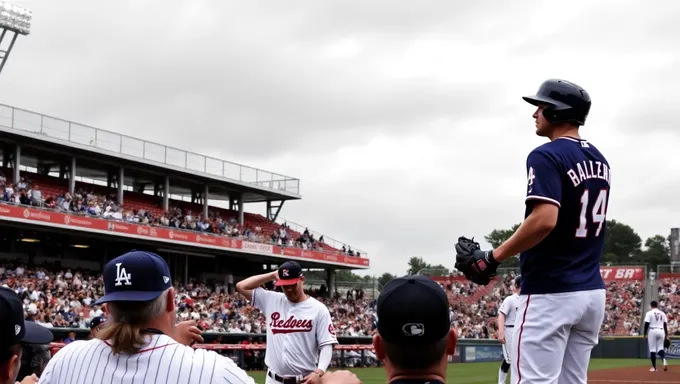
13 328
96 321
290 273
135 276
413 310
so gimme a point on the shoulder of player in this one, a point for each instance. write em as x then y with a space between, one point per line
545 151
322 307
222 363
73 347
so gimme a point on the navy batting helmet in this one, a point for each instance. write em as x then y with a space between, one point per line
518 281
564 101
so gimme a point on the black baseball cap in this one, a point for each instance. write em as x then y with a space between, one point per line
13 328
290 273
413 310
518 281
96 321
135 276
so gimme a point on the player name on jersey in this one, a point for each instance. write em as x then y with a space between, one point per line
290 325
589 170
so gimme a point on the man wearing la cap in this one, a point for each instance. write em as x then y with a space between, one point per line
414 336
300 333
139 342
14 332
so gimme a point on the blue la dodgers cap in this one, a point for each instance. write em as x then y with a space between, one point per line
135 276
13 328
413 310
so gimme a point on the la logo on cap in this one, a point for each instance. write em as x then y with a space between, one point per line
17 329
122 275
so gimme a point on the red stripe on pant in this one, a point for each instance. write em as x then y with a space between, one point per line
519 339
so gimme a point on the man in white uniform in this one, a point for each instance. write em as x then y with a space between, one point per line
506 326
300 333
656 323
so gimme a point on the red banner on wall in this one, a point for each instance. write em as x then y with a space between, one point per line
608 273
623 273
199 239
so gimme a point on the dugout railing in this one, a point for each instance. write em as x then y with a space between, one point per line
358 351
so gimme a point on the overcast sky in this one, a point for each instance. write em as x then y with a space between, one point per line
403 119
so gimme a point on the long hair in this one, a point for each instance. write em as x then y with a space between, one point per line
126 321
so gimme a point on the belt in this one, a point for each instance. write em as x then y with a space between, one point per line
509 326
281 379
656 328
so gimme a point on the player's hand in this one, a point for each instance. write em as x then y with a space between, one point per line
312 378
340 377
501 338
33 379
478 266
187 333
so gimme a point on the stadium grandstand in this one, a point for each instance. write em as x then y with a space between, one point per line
75 196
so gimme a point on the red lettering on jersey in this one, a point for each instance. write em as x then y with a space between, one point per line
331 330
291 325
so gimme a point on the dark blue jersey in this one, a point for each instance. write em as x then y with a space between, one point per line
573 175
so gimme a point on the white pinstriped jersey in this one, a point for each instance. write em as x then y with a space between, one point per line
655 318
509 309
162 361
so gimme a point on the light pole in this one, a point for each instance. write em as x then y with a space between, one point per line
14 21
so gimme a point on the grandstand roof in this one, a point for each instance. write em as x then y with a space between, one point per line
67 138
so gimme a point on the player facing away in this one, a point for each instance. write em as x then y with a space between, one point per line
560 243
300 333
506 327
656 331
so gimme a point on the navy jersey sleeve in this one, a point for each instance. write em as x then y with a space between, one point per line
544 181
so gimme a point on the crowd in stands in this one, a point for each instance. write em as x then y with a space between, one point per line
66 299
624 308
85 201
669 302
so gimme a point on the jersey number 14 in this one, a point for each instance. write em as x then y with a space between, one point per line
598 213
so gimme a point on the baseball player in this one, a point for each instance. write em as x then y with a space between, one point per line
300 333
560 243
414 337
656 326
15 331
139 342
506 325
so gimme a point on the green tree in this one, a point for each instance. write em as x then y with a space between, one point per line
657 251
346 275
417 264
385 278
622 241
497 237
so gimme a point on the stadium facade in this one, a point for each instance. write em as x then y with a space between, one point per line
60 158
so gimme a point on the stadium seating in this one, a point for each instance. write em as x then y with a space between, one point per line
147 209
669 301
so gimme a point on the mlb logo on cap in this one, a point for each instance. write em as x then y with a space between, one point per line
135 276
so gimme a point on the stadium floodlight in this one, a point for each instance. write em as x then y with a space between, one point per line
14 21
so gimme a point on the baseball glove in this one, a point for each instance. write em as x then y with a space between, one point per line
478 266
667 343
